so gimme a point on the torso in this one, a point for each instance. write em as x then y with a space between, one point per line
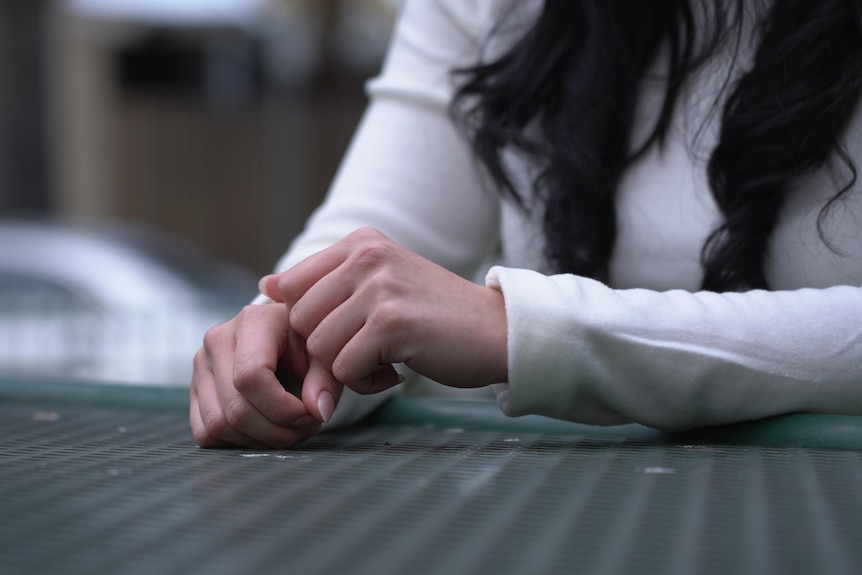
665 210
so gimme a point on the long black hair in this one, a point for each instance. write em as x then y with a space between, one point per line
565 95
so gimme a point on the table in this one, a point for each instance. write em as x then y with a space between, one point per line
98 478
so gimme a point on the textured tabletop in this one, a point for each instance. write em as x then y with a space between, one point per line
108 480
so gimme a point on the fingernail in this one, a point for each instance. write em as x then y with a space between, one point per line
325 405
261 285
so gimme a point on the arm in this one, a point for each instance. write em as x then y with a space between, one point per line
407 172
572 348
581 351
366 303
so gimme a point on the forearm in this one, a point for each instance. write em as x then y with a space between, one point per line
579 350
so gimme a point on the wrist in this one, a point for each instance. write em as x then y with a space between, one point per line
497 333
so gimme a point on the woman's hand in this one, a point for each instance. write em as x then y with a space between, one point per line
366 303
243 378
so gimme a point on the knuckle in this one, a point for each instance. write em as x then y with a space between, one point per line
380 286
367 233
297 321
286 286
236 416
247 377
314 345
215 426
389 316
373 253
249 312
213 338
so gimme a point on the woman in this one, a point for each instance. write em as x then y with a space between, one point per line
668 193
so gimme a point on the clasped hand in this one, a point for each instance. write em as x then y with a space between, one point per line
272 374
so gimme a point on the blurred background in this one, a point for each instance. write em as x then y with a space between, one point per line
156 157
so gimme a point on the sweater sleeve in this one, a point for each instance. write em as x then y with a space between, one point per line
581 351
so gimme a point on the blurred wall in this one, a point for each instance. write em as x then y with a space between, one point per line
226 133
24 177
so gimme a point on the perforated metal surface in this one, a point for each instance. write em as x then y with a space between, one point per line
100 489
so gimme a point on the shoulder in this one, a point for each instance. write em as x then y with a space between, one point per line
434 37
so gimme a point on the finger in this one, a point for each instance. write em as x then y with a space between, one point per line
209 426
291 285
332 332
237 421
261 341
294 283
315 303
363 364
226 411
322 299
380 379
268 286
321 391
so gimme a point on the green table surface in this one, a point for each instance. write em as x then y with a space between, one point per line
98 478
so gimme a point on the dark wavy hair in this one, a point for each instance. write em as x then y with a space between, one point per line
564 95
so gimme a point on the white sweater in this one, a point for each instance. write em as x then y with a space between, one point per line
650 347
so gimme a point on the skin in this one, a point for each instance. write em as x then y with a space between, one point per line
268 377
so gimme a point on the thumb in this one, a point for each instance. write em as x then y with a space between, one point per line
268 286
320 391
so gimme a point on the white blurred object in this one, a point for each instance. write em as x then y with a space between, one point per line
182 12
108 304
